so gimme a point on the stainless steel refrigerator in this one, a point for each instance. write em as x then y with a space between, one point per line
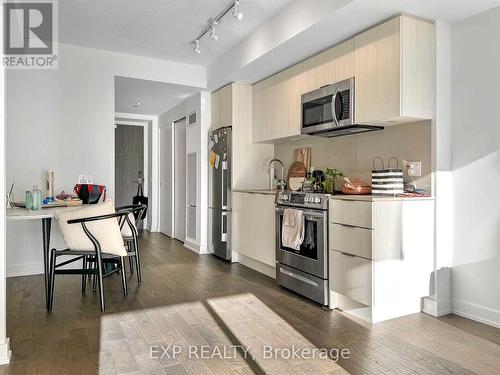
220 192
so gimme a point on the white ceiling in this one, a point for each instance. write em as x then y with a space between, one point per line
348 19
162 29
155 97
273 34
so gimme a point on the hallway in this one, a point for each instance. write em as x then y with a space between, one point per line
188 301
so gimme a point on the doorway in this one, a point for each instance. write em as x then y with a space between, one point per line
129 162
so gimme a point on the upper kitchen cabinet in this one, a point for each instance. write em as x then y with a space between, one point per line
394 72
222 103
232 106
263 110
276 106
288 86
333 65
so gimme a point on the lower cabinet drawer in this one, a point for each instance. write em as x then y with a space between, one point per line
350 212
352 240
351 276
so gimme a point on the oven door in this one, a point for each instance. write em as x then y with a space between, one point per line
312 256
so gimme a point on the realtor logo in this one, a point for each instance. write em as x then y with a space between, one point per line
30 34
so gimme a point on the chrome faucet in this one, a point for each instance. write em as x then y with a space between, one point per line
272 175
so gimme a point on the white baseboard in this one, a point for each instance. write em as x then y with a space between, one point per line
257 266
29 269
5 352
476 312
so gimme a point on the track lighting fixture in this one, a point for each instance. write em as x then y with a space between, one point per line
196 46
236 10
213 34
234 6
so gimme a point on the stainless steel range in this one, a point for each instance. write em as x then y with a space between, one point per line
305 271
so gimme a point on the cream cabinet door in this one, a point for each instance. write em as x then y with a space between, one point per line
226 106
263 229
215 110
377 72
287 107
222 107
333 65
262 110
351 276
243 221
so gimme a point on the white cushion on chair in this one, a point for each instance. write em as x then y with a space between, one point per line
107 232
126 231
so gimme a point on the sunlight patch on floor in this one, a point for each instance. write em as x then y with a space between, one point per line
233 334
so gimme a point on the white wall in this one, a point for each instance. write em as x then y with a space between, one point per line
196 141
64 120
476 166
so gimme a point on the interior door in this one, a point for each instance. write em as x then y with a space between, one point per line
180 180
129 161
166 181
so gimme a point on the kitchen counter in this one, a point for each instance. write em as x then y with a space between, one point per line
374 198
255 191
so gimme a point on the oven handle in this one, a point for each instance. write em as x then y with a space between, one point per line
309 214
298 277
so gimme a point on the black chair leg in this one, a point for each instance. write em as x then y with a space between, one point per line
124 277
84 276
52 277
137 260
100 281
94 280
131 264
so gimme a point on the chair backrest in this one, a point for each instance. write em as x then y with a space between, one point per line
136 209
128 224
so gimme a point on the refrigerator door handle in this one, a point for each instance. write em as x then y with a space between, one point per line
223 226
224 187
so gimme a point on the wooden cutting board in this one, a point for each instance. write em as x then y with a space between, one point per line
297 169
303 155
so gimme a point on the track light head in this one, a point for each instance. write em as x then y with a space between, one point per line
196 46
213 34
236 11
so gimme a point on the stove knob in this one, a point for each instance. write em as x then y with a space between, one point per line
317 200
285 197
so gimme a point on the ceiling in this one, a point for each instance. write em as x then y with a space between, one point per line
273 34
162 29
340 23
155 97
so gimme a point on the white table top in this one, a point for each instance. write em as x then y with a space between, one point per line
24 214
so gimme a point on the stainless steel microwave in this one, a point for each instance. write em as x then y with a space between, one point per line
329 111
328 107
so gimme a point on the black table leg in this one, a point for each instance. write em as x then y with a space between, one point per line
46 223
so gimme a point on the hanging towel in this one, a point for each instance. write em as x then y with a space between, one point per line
292 231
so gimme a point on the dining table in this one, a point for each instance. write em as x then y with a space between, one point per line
45 215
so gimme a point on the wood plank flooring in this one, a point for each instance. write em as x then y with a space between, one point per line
194 303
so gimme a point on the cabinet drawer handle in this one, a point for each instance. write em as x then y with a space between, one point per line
347 254
350 226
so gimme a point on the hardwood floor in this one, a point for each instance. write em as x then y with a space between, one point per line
197 303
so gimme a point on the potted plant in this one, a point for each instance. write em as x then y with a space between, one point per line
331 175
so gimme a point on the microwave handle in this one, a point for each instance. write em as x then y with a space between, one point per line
334 112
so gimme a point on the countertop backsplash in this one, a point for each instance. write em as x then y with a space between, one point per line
353 154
